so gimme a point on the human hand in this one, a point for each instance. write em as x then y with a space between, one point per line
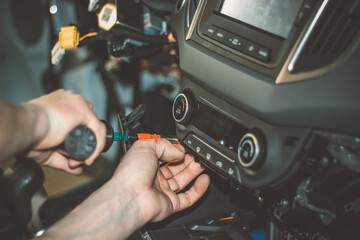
63 111
139 191
157 188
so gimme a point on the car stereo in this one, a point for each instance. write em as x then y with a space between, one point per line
257 33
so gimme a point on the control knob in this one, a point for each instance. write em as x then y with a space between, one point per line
251 150
183 107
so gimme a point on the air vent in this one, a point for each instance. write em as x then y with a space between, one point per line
191 11
336 30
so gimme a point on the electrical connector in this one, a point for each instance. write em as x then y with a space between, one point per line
107 16
57 54
69 37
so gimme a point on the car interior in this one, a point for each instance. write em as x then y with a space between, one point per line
264 93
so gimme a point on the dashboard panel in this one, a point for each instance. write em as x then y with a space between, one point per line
270 98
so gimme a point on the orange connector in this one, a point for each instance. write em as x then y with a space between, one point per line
69 37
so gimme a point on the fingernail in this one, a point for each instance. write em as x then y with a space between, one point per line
201 166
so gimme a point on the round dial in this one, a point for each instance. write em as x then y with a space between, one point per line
251 151
183 108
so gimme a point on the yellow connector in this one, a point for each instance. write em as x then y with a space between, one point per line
69 37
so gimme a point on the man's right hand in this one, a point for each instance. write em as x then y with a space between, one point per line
60 112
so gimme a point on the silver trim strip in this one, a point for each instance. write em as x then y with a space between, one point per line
304 40
194 20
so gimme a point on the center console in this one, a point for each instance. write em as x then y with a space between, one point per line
269 104
237 112
233 143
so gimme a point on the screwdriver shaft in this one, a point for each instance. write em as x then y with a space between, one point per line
142 136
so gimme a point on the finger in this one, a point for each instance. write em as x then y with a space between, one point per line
183 178
153 150
72 163
167 152
189 197
170 170
179 146
59 161
91 106
40 156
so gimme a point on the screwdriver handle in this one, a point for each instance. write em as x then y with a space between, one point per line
109 136
80 143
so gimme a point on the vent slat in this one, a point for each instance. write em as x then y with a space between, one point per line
331 30
315 40
353 7
336 42
337 30
339 21
347 41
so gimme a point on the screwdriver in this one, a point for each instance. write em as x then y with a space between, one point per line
141 136
80 143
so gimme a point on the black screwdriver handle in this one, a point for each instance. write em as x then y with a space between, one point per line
109 136
80 143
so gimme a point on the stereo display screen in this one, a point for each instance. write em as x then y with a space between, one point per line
274 16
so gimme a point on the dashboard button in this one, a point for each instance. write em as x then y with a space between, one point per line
231 171
210 31
215 159
220 35
190 141
250 48
198 149
263 54
234 41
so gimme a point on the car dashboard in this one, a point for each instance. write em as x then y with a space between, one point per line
263 93
277 101
270 103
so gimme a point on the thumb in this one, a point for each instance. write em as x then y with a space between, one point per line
167 151
159 149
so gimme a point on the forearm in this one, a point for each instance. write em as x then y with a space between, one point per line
21 127
111 212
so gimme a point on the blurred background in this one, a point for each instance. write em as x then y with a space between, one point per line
140 75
